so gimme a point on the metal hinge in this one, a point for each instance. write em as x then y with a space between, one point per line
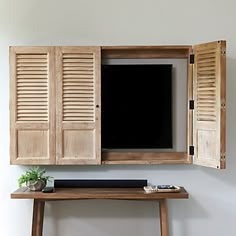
223 105
222 156
191 104
222 160
223 51
191 150
191 58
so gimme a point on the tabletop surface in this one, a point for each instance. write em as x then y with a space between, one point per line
97 193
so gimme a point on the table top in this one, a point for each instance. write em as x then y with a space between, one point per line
97 193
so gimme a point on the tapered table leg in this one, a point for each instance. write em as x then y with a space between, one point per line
38 214
163 217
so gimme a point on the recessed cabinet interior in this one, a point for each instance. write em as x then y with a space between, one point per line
56 104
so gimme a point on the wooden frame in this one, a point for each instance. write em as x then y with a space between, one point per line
53 73
147 52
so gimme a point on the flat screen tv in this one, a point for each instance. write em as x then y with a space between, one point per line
136 106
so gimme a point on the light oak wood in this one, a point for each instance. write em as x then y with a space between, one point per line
78 105
33 149
145 158
55 105
32 116
145 52
210 98
113 52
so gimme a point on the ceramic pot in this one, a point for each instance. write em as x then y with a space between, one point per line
36 185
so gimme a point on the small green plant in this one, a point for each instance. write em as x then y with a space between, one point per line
34 174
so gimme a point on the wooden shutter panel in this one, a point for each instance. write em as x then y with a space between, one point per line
78 105
31 94
209 90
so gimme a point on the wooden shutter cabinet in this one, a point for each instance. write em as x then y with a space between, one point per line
55 105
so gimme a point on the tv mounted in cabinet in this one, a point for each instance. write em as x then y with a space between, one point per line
136 106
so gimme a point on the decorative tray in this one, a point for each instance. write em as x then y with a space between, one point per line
161 189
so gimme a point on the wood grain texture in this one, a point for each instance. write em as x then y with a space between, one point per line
209 114
38 216
145 52
97 193
145 158
32 116
222 74
163 217
55 95
78 105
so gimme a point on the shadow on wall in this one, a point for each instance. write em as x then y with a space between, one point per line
130 217
181 216
107 217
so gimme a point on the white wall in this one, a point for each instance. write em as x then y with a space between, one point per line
211 208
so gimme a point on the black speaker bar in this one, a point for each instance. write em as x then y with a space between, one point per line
101 183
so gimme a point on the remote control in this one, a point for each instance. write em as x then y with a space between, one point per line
166 186
48 190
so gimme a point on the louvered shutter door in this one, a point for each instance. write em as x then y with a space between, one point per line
209 90
31 97
78 105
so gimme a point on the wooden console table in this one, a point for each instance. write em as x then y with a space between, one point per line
95 193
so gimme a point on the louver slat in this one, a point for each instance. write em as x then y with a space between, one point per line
32 84
206 89
76 84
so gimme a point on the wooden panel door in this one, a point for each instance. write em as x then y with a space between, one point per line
32 114
209 90
78 112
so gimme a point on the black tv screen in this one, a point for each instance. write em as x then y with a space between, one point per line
136 106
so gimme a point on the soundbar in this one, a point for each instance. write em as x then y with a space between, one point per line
100 183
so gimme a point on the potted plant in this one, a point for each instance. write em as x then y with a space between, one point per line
34 178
